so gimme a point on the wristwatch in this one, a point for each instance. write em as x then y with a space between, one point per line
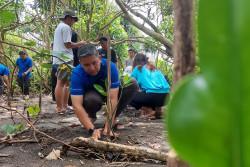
91 131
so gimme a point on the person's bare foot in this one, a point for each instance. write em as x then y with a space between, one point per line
149 113
158 112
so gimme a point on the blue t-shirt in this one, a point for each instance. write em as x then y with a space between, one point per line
81 80
150 81
4 70
24 65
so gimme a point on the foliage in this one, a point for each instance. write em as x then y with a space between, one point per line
208 115
8 128
166 70
6 18
33 110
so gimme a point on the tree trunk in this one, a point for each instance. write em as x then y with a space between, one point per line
184 49
184 52
107 146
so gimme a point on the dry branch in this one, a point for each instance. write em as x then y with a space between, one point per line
4 155
130 150
44 134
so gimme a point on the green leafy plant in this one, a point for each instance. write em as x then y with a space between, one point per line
33 110
8 128
126 81
208 117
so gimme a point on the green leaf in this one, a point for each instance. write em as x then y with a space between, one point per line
125 78
31 110
19 127
6 18
26 29
56 54
47 65
208 118
65 57
127 85
100 89
45 51
8 128
30 43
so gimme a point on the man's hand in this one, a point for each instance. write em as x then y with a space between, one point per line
24 73
81 43
97 133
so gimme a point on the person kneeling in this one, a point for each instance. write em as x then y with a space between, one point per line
86 100
154 88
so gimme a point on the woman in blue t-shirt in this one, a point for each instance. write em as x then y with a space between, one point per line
153 87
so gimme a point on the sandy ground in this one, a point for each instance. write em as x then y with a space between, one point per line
147 134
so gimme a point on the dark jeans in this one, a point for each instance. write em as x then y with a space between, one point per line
93 100
24 83
53 83
1 85
148 100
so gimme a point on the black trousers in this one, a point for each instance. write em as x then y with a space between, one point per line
1 85
93 100
53 83
24 83
148 100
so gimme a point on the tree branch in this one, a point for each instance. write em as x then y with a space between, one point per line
106 25
89 20
166 42
142 17
6 4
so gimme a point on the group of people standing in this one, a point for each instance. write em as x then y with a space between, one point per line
147 91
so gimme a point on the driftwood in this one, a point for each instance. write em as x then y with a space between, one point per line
107 146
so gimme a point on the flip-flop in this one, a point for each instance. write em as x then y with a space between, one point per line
61 112
66 112
70 109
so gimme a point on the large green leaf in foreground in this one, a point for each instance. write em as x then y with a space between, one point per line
209 116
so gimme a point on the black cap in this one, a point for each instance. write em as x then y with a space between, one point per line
103 39
21 53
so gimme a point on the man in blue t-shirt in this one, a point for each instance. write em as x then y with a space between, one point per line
25 65
86 100
4 73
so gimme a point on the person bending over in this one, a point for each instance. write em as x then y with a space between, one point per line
86 100
153 87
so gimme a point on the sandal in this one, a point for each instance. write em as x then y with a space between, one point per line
66 112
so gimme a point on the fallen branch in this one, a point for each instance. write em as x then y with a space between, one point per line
4 155
44 134
107 146
18 141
